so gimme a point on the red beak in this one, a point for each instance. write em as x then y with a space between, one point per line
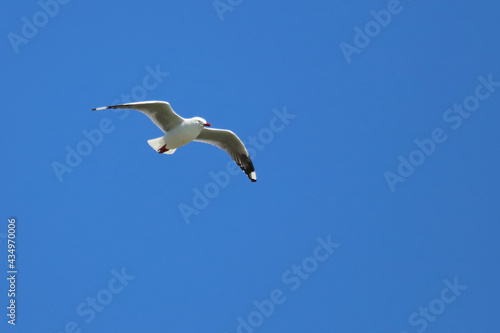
207 124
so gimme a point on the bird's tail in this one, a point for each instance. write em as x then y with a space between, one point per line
158 143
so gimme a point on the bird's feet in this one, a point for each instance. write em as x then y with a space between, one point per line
163 149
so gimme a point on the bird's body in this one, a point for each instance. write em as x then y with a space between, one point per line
182 134
178 136
179 132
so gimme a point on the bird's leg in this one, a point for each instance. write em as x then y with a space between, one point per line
163 149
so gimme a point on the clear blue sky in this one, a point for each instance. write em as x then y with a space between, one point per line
373 128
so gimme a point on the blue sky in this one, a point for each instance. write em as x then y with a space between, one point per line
372 127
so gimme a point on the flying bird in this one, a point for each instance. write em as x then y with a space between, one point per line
179 132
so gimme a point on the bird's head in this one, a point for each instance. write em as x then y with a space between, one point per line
201 121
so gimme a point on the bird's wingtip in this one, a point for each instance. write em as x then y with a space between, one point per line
253 176
101 108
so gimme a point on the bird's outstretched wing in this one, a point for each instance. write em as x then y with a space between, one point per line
159 112
229 142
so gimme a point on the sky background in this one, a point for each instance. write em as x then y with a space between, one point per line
115 209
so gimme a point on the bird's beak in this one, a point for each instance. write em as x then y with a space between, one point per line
207 124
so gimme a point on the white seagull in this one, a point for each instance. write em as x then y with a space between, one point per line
180 131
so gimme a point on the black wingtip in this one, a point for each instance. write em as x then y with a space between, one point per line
247 166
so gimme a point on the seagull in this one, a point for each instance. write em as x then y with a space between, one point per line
179 132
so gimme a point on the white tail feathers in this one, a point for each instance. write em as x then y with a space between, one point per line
157 143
